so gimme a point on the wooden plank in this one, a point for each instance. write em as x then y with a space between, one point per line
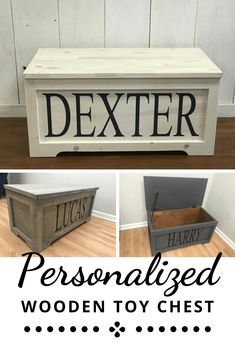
35 25
124 63
215 33
40 218
173 23
81 23
8 82
127 23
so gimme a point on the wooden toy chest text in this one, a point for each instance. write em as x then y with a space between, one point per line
41 214
121 100
175 216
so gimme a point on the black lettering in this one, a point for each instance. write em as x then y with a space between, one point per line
66 214
79 114
28 306
174 305
49 115
191 239
73 219
26 265
44 306
171 239
185 115
185 237
137 109
198 306
178 239
59 306
83 207
73 306
159 306
57 228
157 113
198 231
110 111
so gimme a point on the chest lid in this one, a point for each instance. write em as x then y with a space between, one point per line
168 193
42 191
55 63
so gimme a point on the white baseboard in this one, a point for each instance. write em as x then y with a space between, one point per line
19 110
226 110
12 111
133 225
225 238
107 216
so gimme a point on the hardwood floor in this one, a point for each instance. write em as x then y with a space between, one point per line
14 153
95 238
135 242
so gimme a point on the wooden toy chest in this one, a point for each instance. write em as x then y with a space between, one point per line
41 214
175 216
152 99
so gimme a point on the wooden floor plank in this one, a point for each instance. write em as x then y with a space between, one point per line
135 242
14 153
94 238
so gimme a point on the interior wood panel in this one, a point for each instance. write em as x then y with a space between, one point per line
135 242
14 153
179 217
94 238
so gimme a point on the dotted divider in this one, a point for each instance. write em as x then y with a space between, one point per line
117 329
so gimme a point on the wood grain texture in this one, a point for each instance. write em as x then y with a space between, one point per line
121 63
215 33
40 217
14 153
173 23
127 23
81 23
95 238
135 242
8 81
35 26
42 191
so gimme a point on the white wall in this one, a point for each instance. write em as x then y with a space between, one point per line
132 200
105 200
26 25
221 202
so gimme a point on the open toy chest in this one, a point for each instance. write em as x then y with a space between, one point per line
175 214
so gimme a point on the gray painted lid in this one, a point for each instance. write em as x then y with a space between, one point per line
42 191
173 192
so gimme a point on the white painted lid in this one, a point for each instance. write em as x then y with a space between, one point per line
121 63
39 191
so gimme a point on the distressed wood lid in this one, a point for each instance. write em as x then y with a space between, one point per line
121 63
37 191
173 192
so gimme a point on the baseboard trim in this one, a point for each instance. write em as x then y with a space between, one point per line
226 110
19 110
133 225
107 216
225 238
12 110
